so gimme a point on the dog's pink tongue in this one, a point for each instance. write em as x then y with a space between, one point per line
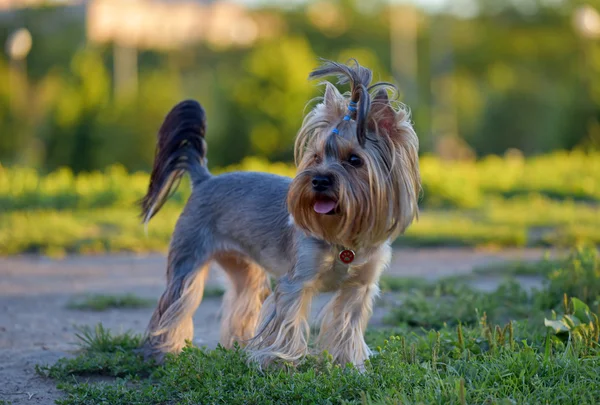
324 206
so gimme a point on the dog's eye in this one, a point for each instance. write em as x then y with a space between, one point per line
317 158
355 161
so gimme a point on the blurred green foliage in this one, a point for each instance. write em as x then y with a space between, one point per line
550 200
516 77
562 176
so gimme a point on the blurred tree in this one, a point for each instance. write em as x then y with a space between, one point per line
68 133
511 74
270 93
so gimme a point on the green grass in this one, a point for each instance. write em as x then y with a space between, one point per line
102 354
453 301
518 268
395 284
451 345
103 302
211 292
444 305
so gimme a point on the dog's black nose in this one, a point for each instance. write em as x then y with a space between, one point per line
321 183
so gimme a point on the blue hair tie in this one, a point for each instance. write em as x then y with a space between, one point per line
352 102
336 131
346 118
351 108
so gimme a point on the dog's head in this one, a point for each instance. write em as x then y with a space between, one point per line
358 177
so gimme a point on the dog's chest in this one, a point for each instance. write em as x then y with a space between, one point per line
333 275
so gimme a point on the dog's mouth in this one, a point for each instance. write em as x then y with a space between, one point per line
325 206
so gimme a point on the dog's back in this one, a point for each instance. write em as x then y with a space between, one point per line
244 212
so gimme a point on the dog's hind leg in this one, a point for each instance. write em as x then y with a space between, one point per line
180 148
171 324
249 287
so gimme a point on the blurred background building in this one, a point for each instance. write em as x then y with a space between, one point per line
85 84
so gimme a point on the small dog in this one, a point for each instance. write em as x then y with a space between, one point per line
327 230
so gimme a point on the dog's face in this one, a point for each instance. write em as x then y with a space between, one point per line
351 190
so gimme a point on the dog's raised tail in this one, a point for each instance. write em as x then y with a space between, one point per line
180 148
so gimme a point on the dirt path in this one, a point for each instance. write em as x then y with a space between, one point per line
36 327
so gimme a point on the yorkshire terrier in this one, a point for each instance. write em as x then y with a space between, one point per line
327 230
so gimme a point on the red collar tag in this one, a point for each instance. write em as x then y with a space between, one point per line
347 256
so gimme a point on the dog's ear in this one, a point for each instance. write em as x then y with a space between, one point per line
332 96
382 111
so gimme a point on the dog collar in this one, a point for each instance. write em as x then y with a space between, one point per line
346 256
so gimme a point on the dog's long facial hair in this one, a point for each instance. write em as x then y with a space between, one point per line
358 179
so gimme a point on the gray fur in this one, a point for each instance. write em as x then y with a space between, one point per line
244 212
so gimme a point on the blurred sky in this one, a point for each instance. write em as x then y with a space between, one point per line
462 8
429 4
465 7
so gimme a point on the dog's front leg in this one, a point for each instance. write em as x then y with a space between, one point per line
344 323
344 319
283 330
